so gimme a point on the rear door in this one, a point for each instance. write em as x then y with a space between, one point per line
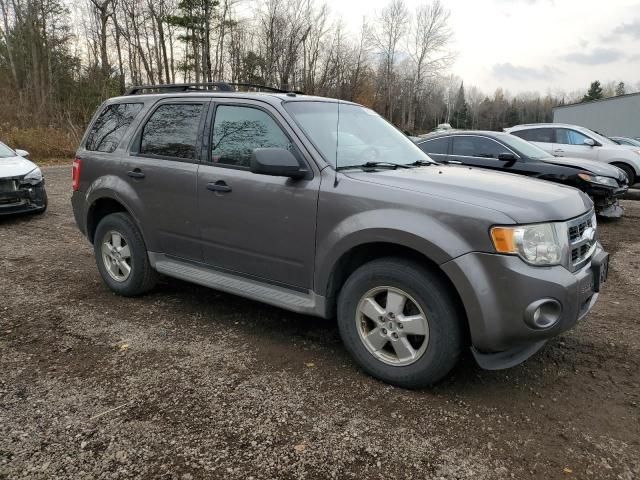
162 168
257 225
542 137
436 148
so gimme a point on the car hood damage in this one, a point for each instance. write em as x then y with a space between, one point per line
523 199
15 167
591 166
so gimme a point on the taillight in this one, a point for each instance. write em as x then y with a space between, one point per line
75 174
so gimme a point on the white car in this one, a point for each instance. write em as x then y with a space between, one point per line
562 140
21 183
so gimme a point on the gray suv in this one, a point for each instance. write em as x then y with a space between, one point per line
321 207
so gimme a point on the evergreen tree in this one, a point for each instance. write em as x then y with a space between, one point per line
594 93
620 89
460 117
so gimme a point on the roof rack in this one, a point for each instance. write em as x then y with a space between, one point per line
200 87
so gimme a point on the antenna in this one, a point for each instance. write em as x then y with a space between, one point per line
335 179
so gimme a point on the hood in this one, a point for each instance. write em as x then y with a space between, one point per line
15 167
598 168
524 199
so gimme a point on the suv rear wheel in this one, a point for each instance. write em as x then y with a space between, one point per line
122 257
399 322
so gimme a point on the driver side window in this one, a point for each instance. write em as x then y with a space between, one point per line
237 131
468 146
570 137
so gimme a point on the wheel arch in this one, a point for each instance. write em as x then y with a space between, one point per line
363 253
99 208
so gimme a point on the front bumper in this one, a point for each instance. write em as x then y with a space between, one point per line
496 291
25 199
606 200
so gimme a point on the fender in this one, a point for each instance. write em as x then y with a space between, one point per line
427 236
631 162
114 188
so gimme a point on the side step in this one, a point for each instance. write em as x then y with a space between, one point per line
302 302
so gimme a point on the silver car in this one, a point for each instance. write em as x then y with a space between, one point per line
563 140
21 183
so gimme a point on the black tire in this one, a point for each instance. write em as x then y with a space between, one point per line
142 277
45 203
631 175
432 295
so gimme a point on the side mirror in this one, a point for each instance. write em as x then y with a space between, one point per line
589 142
507 157
22 153
277 162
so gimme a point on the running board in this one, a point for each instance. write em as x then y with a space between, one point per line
302 302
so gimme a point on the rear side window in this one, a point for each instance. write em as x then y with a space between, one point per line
439 146
110 126
237 131
172 131
477 147
542 135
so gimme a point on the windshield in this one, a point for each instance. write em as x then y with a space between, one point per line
359 136
599 138
525 148
6 152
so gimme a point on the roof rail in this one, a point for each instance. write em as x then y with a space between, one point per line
263 87
199 87
181 87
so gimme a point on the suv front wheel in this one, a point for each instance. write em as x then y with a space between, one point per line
399 322
122 257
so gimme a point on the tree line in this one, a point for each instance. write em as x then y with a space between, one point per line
59 60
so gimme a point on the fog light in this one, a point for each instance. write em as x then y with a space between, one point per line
543 313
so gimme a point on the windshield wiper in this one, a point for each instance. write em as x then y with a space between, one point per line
376 164
422 163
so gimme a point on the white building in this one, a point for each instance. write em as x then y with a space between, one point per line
615 116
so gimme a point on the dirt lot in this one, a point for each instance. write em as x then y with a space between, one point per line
190 383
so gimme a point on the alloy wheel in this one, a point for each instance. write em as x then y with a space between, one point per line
392 326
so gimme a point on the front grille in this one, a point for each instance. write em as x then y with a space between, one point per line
7 186
582 239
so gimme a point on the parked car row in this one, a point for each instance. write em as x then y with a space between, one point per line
504 152
320 206
572 141
22 187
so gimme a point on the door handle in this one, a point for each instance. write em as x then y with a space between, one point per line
136 173
219 186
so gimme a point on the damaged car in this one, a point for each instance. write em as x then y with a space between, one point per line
21 183
604 183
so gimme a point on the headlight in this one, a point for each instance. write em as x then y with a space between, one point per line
34 177
610 182
535 244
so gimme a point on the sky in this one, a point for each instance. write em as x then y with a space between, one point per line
533 45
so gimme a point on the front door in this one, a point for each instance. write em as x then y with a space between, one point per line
484 152
570 143
256 225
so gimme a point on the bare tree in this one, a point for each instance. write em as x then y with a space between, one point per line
428 40
391 25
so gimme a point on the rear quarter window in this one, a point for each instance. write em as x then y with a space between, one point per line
541 135
109 128
438 146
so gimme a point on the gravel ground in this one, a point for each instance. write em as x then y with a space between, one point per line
189 383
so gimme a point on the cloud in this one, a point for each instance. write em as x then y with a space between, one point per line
599 56
626 29
516 72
